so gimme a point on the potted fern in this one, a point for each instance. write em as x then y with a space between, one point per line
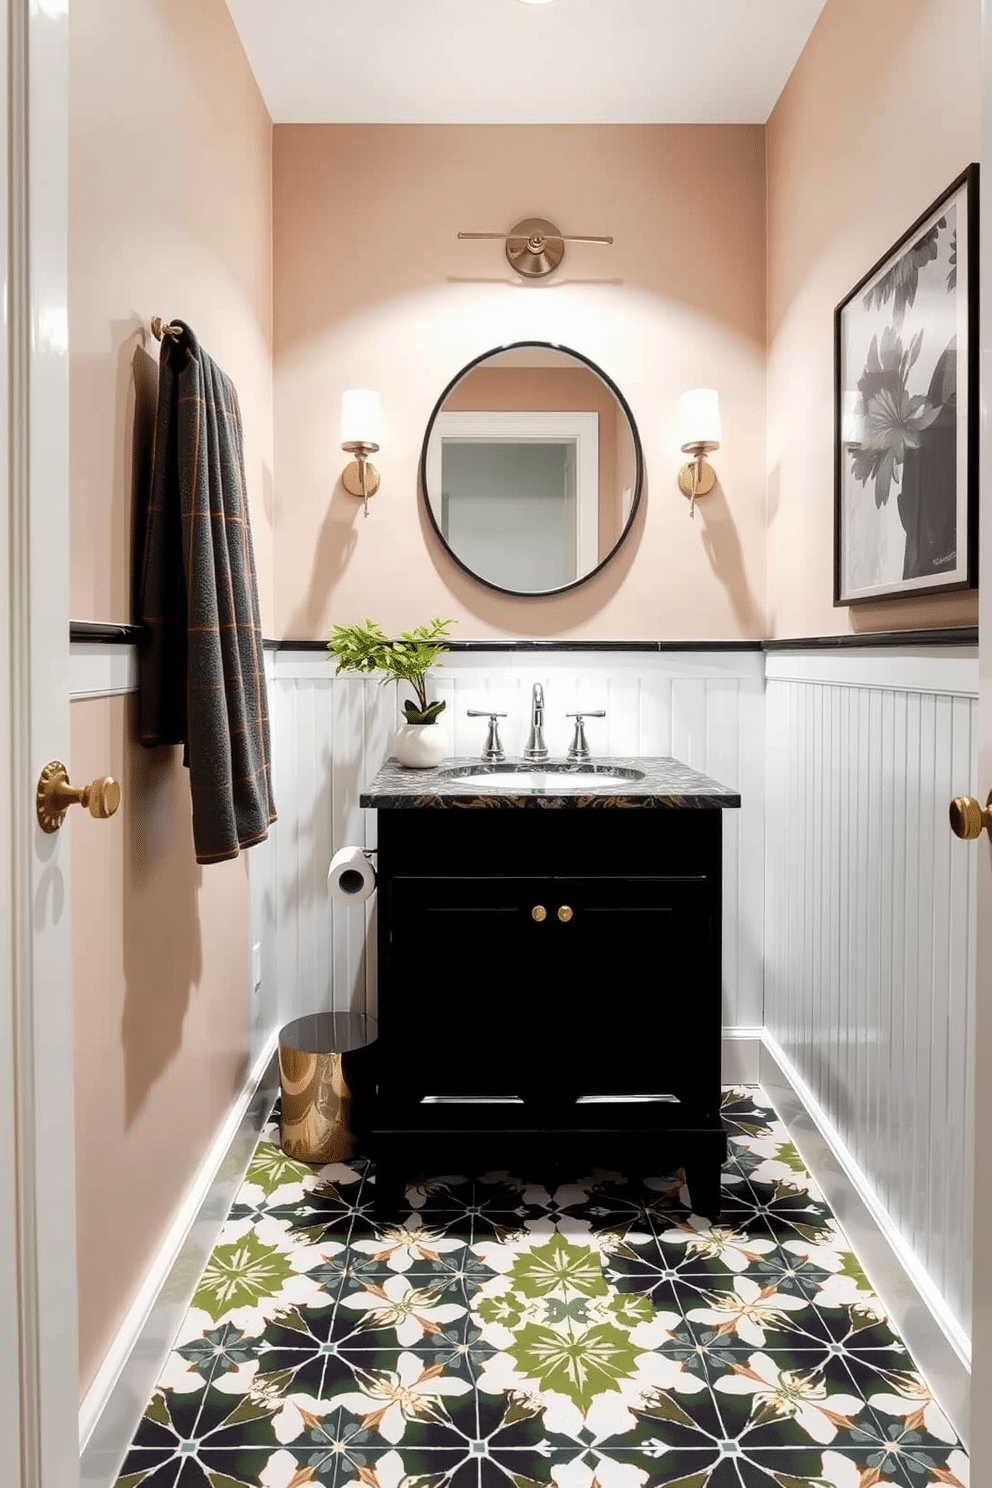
419 743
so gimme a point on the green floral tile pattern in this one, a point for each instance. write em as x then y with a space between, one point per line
505 1335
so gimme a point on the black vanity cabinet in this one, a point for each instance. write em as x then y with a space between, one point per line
549 989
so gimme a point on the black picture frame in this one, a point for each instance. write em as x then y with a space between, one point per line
906 412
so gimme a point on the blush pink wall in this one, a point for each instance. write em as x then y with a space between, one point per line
170 213
170 191
879 116
373 288
160 988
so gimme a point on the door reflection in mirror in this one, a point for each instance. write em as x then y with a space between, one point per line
531 468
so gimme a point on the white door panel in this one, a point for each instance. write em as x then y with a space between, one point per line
38 1363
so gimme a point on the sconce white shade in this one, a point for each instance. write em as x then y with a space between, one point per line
361 418
699 418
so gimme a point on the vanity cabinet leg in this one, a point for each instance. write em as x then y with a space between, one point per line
390 1195
705 1192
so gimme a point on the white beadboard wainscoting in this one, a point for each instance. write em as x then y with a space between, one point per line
869 948
332 733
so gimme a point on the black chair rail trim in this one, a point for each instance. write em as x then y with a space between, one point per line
114 634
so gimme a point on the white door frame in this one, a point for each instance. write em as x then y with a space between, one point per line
582 427
39 1380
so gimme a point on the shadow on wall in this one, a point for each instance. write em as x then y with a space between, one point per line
310 837
162 947
723 549
140 373
163 958
323 822
335 545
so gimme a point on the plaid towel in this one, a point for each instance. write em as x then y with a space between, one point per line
202 676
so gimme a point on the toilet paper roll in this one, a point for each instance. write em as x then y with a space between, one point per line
351 877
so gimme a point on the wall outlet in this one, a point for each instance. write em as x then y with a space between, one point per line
256 966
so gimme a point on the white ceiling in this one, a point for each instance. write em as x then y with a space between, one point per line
503 62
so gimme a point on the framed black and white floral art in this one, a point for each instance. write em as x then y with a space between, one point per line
906 412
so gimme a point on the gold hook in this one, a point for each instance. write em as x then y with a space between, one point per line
162 328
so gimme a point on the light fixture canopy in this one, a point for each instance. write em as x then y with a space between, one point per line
361 430
700 432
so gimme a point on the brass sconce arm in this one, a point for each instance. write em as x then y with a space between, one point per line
697 478
700 432
360 434
534 246
360 478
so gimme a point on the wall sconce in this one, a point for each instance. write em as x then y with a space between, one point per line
699 433
360 433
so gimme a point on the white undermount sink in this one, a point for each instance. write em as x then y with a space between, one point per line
550 777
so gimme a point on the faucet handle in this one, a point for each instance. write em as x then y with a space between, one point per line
579 749
493 751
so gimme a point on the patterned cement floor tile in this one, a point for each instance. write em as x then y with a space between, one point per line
507 1333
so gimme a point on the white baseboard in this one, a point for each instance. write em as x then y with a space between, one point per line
936 1341
114 1403
741 1056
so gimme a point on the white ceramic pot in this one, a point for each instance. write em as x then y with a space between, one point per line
420 746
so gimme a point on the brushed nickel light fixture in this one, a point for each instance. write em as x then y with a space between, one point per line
700 433
534 246
360 435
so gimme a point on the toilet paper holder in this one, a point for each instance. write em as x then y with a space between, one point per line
351 878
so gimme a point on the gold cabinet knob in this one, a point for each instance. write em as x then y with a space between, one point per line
565 914
969 818
55 795
539 913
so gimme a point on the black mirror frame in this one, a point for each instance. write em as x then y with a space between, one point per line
638 456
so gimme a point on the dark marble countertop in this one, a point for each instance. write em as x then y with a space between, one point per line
654 782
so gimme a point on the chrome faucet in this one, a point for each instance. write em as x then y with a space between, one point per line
493 753
579 748
536 747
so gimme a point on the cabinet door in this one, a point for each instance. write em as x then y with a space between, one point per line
462 1009
637 999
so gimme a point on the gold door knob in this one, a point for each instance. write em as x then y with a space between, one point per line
969 818
565 914
55 795
539 913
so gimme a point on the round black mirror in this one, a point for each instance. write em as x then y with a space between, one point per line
531 468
